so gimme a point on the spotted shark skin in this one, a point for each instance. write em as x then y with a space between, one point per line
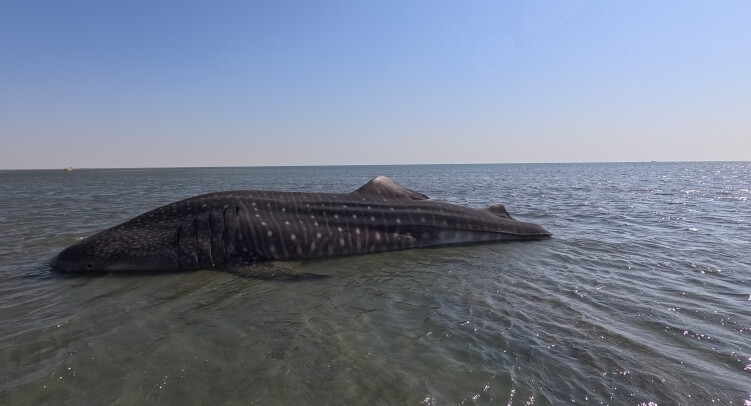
217 229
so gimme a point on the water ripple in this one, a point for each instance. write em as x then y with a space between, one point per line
642 297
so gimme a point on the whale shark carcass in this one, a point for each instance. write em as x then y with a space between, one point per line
217 229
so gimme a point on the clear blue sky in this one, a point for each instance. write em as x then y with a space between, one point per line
220 83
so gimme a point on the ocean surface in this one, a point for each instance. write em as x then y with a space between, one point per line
642 296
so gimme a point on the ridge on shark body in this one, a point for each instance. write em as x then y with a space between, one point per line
216 229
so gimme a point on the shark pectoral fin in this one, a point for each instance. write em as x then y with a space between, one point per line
273 272
383 186
499 210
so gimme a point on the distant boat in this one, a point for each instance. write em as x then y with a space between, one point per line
69 169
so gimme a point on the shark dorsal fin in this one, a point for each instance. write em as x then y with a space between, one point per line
383 186
499 210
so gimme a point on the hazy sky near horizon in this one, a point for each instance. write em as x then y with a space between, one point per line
244 83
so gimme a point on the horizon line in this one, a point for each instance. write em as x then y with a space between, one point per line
354 165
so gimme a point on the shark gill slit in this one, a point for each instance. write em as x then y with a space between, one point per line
208 240
177 247
216 236
211 256
187 255
195 241
230 218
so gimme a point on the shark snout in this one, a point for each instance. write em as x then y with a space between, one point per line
59 264
69 260
55 263
120 250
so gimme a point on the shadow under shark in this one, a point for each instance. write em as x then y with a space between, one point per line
216 230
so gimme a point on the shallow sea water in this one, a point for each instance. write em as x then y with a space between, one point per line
642 297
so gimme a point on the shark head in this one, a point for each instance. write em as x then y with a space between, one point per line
191 234
120 250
